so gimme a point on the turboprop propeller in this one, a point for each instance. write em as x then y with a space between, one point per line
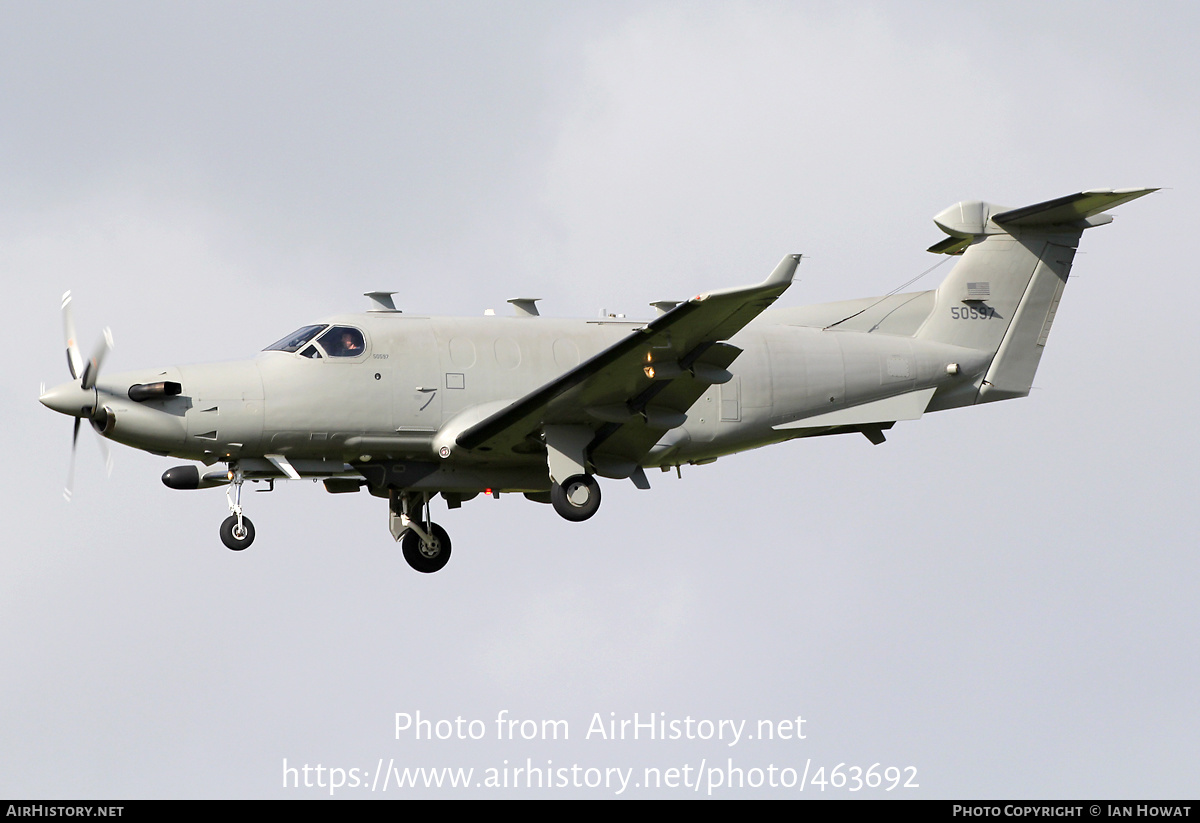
82 398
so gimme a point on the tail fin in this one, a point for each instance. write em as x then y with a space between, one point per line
1002 296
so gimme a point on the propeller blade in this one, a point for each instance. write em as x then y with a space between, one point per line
74 358
87 372
71 466
92 369
106 453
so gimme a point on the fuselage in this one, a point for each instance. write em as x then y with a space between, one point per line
411 383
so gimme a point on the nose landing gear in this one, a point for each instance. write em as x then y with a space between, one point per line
237 532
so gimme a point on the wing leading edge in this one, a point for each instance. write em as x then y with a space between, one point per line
635 390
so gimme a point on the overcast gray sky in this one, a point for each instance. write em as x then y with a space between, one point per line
1002 597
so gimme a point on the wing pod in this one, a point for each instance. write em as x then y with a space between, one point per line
189 477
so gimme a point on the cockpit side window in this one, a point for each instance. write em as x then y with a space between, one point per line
295 340
342 341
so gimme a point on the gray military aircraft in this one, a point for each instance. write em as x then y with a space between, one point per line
410 406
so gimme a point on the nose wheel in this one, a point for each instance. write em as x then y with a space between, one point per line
235 535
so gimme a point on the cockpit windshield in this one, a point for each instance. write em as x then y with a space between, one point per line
295 340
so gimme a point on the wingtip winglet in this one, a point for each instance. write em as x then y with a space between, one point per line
784 272
779 279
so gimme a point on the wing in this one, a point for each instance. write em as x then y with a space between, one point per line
633 392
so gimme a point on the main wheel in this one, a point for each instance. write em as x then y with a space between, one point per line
431 558
577 499
235 538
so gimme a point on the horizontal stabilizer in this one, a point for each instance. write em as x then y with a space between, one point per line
1070 208
908 406
970 220
951 245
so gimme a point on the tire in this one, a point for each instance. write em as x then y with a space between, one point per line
577 499
427 560
231 540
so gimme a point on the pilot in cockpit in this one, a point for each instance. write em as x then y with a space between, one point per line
341 341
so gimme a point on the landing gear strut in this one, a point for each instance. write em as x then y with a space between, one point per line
237 532
425 544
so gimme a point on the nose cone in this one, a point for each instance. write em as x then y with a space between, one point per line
70 399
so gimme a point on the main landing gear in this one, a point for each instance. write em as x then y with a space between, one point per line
425 544
237 532
577 498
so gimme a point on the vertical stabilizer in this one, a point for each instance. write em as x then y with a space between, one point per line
1003 295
